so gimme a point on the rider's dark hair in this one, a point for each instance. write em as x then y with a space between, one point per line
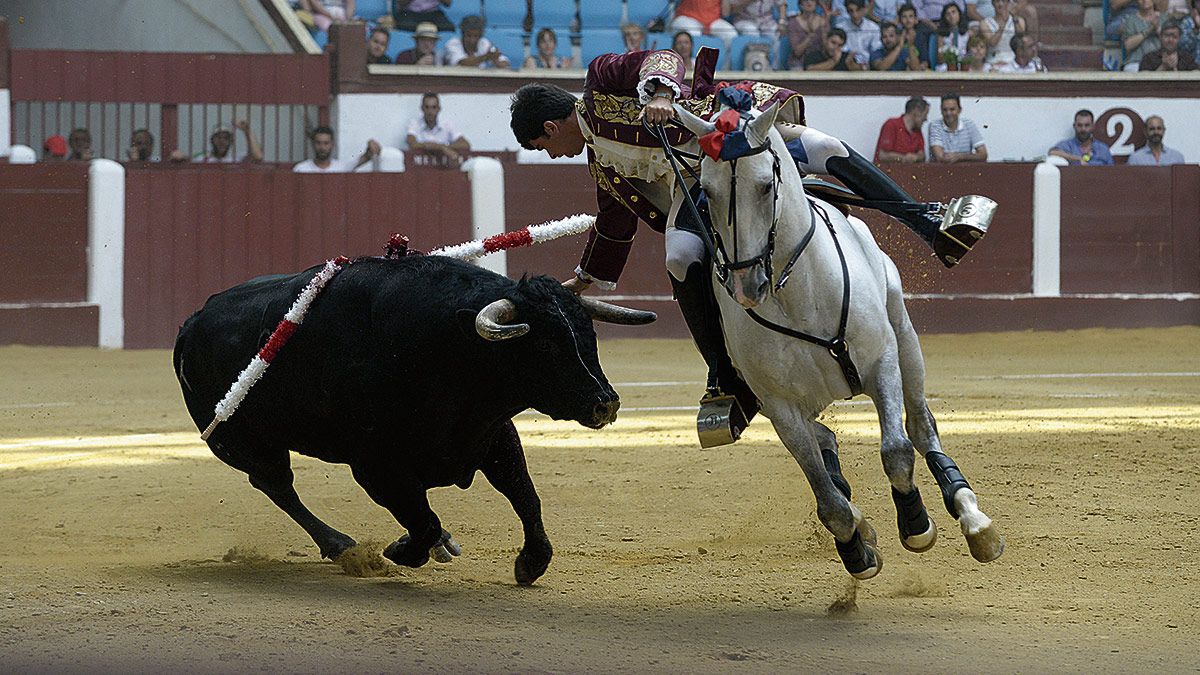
535 104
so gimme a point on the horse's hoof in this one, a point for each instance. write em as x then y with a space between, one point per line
876 563
860 556
919 543
986 545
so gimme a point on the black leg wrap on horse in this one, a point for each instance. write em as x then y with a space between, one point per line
855 556
948 477
703 319
869 182
833 467
910 513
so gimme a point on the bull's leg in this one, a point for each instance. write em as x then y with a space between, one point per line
270 471
405 498
855 538
917 530
505 469
983 537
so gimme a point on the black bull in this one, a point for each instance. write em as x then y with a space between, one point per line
408 370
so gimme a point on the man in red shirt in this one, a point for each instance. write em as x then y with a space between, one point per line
900 139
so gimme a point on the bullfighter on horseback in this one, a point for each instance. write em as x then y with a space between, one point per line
635 181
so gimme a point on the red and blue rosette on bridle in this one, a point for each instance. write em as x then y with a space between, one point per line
728 141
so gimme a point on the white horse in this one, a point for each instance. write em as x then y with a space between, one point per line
795 379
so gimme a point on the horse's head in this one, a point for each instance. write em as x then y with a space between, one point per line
742 175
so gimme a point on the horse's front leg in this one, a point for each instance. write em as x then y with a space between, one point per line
855 538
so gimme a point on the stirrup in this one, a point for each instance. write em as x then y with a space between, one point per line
964 222
720 420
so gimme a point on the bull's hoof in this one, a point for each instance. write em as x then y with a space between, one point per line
336 545
987 544
919 543
402 552
531 563
860 556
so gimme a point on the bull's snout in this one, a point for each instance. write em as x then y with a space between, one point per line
604 412
750 286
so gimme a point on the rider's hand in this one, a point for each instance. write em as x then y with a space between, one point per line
658 111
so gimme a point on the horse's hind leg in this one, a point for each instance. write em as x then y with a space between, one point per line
855 538
918 532
983 538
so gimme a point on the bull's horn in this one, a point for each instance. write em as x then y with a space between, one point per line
760 126
492 322
603 311
694 124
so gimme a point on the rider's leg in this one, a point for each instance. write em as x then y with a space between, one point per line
822 153
691 280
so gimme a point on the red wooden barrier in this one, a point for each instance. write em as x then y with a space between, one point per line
192 232
43 233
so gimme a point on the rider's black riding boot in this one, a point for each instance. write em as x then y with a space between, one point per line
869 182
703 318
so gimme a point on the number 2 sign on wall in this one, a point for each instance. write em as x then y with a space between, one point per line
1122 130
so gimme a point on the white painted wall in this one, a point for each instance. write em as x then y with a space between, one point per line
106 248
5 121
1013 128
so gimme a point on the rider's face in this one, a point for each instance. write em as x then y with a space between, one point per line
560 139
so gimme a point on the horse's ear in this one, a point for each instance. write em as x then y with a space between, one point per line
694 124
760 126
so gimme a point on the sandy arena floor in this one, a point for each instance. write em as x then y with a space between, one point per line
127 546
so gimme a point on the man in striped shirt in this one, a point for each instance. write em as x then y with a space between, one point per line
954 138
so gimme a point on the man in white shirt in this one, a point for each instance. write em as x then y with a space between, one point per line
862 34
221 146
323 161
1026 57
954 138
1154 153
436 141
472 49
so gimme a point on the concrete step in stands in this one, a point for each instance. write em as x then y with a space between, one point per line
1065 35
1072 57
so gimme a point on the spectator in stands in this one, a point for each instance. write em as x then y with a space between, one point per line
1139 33
1118 11
141 147
325 13
682 45
1154 153
757 17
884 10
1169 56
908 24
440 143
424 51
955 138
323 161
952 36
999 31
54 149
377 46
221 146
547 44
1189 27
410 14
472 50
929 11
80 142
1026 61
977 12
862 34
634 37
900 138
833 56
893 54
976 59
704 16
1083 148
806 33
